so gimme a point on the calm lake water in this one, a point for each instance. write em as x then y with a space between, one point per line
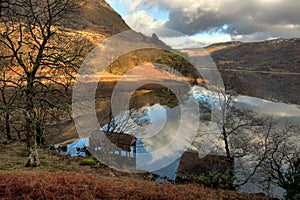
162 126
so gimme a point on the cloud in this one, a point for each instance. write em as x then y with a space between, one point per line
213 39
136 4
142 19
133 4
184 42
253 19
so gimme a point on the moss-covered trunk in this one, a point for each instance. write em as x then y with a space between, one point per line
30 116
33 158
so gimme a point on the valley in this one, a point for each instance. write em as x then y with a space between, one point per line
92 109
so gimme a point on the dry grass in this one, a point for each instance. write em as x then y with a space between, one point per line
71 185
62 177
14 156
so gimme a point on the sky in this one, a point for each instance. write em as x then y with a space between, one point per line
213 21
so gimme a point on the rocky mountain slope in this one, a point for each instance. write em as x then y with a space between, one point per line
268 69
95 16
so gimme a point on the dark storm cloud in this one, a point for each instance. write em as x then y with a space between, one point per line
209 22
261 18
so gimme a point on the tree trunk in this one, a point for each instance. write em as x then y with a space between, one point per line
33 158
7 124
40 138
7 127
30 115
228 155
225 137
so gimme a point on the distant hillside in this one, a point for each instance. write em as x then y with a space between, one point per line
261 69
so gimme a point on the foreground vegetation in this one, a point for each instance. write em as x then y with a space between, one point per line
62 177
36 89
72 185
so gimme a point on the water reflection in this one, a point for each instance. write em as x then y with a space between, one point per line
159 125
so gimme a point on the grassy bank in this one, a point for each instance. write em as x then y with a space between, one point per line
63 177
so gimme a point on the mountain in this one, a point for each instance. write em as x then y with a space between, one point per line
262 69
95 16
265 69
268 69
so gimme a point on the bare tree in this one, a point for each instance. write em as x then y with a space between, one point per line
268 149
5 107
239 131
8 93
43 56
281 164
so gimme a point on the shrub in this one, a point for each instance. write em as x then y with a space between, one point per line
88 161
213 179
292 181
